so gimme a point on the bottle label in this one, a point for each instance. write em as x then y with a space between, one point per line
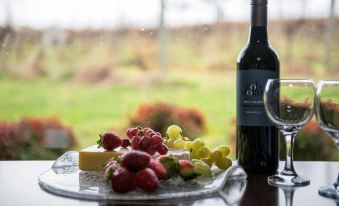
250 103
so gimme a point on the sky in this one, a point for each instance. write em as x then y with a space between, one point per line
83 14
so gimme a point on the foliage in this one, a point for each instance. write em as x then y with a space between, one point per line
312 143
160 115
24 139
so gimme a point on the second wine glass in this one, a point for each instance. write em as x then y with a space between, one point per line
327 113
290 106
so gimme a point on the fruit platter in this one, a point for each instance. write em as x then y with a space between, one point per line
143 166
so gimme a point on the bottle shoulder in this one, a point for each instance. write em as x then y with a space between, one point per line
258 56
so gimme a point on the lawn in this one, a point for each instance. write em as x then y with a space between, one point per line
90 110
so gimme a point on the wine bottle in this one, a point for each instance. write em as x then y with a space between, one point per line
257 138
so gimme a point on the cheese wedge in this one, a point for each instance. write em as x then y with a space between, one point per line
94 158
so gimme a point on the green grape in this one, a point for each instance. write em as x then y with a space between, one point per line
223 163
170 142
224 149
198 144
174 131
208 161
186 139
202 169
179 144
165 142
197 160
194 155
204 152
216 155
188 145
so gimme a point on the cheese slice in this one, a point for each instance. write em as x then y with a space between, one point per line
94 158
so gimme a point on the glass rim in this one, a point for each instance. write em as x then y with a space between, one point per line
328 82
321 83
292 80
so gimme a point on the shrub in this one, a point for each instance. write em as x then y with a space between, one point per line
159 116
26 139
311 143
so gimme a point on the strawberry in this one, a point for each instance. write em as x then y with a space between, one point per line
109 169
170 163
123 180
135 160
158 169
109 141
147 180
186 170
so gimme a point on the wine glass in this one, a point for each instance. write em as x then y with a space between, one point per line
327 113
289 103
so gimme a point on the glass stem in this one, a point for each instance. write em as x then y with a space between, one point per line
289 196
336 184
289 140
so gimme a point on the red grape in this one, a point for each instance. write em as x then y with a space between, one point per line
156 140
144 142
152 134
125 143
162 149
147 129
135 142
150 150
131 132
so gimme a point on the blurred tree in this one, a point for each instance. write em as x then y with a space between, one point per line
280 4
291 29
7 36
330 28
303 8
163 40
219 12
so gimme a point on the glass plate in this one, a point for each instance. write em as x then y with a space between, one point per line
65 179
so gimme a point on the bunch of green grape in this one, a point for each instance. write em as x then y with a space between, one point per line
202 157
174 138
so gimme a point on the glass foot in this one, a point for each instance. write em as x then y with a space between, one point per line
281 180
329 191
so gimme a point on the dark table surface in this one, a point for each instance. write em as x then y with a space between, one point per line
19 186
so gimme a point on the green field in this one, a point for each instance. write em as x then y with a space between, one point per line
90 110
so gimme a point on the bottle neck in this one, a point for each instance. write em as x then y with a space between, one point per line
259 15
258 34
258 30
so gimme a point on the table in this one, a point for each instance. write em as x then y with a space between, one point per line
19 186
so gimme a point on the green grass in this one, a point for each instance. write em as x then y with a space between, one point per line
90 110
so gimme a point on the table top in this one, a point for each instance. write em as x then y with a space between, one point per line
19 186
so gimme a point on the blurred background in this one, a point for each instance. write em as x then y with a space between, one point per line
71 69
